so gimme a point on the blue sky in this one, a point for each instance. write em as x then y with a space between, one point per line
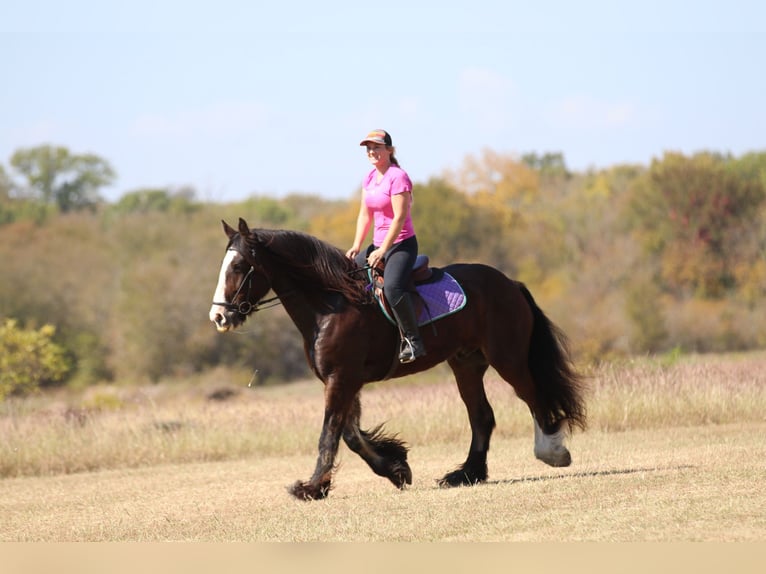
238 98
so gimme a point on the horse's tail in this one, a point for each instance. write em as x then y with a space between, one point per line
559 386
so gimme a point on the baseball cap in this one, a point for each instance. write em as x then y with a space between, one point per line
377 136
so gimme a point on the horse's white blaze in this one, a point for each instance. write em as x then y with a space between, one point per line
218 312
550 447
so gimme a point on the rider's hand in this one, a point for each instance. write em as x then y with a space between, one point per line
374 257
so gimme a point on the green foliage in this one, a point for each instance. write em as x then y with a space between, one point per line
751 167
688 211
156 200
672 357
267 211
547 164
100 401
5 186
25 210
644 310
29 359
448 227
14 208
54 175
90 355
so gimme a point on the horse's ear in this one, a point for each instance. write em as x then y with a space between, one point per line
244 228
228 229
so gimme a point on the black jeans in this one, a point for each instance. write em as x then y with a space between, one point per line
399 261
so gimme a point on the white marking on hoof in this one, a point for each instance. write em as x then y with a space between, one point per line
550 448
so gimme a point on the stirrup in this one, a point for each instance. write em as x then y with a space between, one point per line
408 353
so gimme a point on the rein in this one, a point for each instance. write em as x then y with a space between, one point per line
245 307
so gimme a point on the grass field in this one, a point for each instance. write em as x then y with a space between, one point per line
676 451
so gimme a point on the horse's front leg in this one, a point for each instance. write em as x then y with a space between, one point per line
338 402
386 455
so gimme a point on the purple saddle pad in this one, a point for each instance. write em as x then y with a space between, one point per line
440 298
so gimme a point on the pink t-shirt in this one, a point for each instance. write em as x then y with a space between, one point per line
377 197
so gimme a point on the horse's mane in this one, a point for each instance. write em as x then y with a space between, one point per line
309 260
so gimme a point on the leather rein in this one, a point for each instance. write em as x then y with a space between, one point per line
245 307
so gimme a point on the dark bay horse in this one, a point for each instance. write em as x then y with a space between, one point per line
348 343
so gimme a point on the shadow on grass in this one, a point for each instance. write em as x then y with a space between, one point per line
591 474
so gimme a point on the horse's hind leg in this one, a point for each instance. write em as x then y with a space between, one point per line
542 372
550 448
549 441
469 374
386 456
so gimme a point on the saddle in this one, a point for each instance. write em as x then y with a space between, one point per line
421 273
435 293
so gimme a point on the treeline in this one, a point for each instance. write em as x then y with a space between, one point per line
627 260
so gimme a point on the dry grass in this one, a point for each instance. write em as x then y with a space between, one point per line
696 390
679 485
129 427
675 451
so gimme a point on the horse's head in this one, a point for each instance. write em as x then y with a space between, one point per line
241 281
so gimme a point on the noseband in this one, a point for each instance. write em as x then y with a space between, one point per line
245 307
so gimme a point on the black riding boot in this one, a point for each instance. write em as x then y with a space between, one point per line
412 344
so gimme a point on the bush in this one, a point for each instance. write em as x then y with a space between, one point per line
28 359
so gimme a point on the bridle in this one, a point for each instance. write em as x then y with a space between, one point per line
245 307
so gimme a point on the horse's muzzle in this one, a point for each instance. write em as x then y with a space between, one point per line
221 318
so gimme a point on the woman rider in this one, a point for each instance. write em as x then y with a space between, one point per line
386 204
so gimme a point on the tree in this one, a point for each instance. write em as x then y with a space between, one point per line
685 209
750 239
498 180
157 200
54 175
6 214
548 165
29 359
448 228
5 186
501 189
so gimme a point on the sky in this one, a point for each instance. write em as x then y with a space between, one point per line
244 98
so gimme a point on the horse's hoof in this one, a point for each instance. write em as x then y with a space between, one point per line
550 448
401 476
306 491
557 457
461 477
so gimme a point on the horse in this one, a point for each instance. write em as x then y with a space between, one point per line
348 343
